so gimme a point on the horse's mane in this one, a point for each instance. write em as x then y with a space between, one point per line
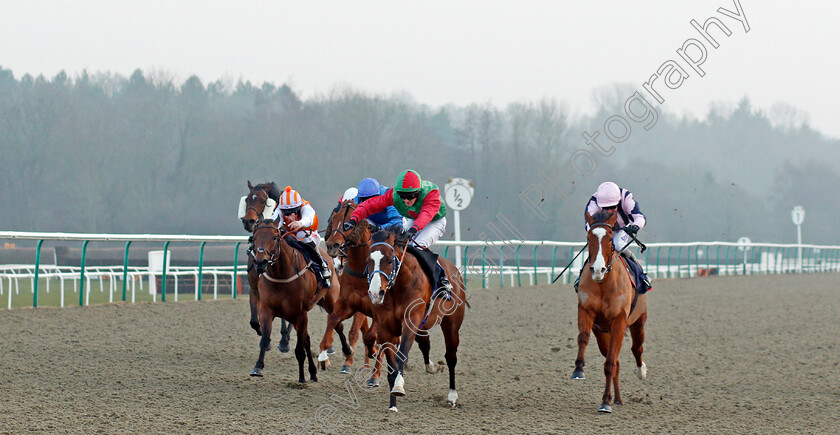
601 216
270 188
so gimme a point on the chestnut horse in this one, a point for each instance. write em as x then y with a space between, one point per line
255 205
288 289
401 294
354 247
608 300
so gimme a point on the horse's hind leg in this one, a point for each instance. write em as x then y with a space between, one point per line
425 346
637 333
313 371
451 338
585 320
266 318
370 342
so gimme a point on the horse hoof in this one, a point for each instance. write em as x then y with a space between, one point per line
314 379
432 368
345 369
399 386
578 374
605 408
641 372
452 398
283 346
330 350
257 372
618 403
393 409
373 382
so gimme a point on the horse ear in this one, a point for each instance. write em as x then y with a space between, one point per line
588 218
249 185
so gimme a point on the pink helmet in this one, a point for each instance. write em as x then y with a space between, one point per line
608 194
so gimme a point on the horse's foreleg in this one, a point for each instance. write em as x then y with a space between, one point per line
611 364
334 320
285 331
451 338
637 332
254 298
370 341
424 345
389 348
585 320
302 349
313 370
266 318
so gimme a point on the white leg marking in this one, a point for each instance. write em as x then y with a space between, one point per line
323 356
452 398
399 385
432 367
641 372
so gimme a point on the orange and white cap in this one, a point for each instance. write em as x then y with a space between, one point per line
290 199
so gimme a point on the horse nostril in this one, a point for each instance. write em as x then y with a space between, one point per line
591 269
381 293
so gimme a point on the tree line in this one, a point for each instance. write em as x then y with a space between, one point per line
151 154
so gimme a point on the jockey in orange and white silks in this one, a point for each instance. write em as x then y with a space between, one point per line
299 218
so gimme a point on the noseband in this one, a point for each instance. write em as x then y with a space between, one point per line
274 249
392 277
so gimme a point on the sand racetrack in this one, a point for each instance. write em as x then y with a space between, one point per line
724 354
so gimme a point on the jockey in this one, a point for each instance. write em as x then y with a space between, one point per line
388 218
613 199
299 218
423 213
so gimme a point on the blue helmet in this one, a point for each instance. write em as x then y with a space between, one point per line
368 187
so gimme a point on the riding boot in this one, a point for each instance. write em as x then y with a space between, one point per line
443 284
644 283
323 270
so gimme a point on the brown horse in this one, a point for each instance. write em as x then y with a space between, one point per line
255 206
608 300
354 247
288 289
401 294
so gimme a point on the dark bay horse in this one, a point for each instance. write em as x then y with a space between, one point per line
288 289
401 295
255 209
354 247
608 301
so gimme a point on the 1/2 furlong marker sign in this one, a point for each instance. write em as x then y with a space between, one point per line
458 193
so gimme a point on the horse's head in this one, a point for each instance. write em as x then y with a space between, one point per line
599 243
338 239
266 241
383 264
256 203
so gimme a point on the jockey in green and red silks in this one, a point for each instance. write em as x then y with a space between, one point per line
420 204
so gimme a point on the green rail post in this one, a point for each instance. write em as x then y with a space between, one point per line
200 267
465 265
518 276
571 255
125 268
657 261
445 253
727 258
553 259
679 262
82 278
502 267
668 273
536 277
717 259
696 261
37 267
484 267
235 283
163 279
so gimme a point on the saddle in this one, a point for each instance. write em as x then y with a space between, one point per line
429 264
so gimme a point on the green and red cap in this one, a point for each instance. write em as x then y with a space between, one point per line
408 181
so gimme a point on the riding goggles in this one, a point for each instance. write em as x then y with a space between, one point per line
408 195
291 211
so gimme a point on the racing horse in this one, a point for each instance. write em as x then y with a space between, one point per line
260 198
403 309
607 304
288 289
353 246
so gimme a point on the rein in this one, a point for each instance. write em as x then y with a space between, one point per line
273 259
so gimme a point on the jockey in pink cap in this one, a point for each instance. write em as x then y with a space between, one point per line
611 198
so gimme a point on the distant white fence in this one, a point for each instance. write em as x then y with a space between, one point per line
488 261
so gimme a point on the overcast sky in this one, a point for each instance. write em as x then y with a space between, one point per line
446 51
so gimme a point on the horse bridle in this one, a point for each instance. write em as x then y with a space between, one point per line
274 250
342 248
614 257
392 277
